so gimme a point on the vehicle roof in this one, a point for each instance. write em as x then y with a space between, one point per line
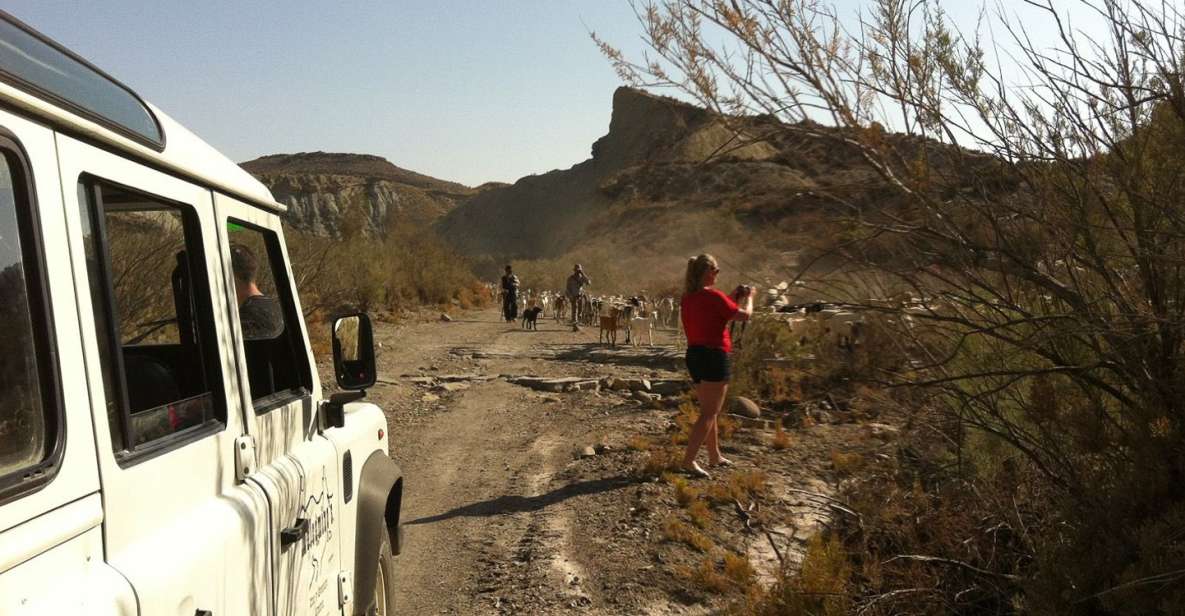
182 153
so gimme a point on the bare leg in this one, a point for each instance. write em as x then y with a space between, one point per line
711 398
712 443
713 438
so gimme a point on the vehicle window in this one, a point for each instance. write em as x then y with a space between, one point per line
28 408
152 313
277 364
49 71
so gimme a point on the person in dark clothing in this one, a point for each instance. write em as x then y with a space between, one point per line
259 315
509 296
574 289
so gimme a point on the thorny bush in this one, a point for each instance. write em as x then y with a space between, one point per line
1032 236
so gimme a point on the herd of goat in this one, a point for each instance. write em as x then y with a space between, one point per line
638 316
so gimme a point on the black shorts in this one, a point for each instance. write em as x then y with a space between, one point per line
708 364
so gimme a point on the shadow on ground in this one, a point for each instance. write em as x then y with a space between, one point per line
515 504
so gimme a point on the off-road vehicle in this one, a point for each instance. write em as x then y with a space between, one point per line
165 445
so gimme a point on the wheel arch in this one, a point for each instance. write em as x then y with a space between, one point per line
380 498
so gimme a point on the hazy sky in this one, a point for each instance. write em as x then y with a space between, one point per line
470 91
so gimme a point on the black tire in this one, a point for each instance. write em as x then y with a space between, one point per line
384 586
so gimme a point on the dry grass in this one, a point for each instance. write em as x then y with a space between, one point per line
726 426
688 414
662 460
685 418
739 487
680 532
846 463
738 570
685 493
705 577
781 439
736 575
820 588
639 443
751 484
699 514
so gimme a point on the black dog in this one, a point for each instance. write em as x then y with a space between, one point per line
531 317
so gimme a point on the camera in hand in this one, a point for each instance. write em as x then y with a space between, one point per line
742 291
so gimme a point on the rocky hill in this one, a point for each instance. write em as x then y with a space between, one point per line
322 190
670 180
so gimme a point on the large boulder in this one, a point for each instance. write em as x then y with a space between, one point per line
744 407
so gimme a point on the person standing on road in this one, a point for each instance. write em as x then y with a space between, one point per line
706 312
509 295
574 289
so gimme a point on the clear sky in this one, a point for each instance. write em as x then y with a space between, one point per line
469 91
464 90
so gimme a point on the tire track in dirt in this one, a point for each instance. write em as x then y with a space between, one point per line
489 503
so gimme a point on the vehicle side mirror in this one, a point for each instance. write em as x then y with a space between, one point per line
353 352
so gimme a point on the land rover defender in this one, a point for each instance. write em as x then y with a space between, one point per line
165 444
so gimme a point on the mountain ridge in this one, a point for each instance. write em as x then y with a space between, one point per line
324 189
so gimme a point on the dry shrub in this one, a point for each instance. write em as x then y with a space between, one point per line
705 577
846 463
680 532
319 334
739 487
699 514
821 587
738 570
685 494
686 416
734 575
402 267
1048 264
788 363
639 443
751 483
726 426
781 438
662 460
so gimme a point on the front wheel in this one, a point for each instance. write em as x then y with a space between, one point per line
384 587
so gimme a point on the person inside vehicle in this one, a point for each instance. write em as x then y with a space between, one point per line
259 315
574 289
509 295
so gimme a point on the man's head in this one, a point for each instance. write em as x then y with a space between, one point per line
507 269
577 269
246 267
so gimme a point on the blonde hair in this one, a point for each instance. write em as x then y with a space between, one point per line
697 267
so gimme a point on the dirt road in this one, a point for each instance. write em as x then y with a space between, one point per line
493 479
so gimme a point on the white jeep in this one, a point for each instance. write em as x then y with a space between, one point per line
165 447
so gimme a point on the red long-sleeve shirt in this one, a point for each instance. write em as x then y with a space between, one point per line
705 314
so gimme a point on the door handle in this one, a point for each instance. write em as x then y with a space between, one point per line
294 533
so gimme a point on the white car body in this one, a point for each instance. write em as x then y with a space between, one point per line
197 521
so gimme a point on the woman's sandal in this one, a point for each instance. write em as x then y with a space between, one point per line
725 462
696 471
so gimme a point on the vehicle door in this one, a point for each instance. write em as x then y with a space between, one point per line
50 510
297 466
180 525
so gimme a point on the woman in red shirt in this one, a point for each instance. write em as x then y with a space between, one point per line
706 312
